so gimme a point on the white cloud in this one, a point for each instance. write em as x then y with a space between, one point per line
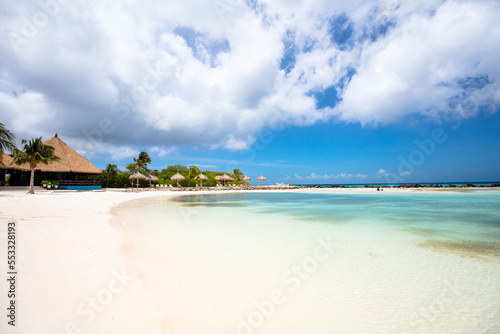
419 66
314 176
383 173
121 152
220 83
203 166
233 143
27 111
162 151
350 176
116 153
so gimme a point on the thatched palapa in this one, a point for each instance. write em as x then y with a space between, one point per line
201 177
71 165
177 177
138 176
224 178
72 162
153 178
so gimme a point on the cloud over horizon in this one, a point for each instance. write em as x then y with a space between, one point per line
327 177
113 76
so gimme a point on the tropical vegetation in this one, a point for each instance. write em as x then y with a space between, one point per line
113 177
140 163
7 141
110 172
34 153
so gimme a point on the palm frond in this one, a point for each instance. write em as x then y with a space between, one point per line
7 140
34 152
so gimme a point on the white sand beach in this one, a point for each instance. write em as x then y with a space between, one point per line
73 264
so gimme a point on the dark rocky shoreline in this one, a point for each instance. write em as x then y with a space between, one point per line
405 186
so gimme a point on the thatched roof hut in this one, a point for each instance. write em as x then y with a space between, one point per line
71 161
69 168
224 178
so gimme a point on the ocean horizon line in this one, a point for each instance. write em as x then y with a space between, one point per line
452 184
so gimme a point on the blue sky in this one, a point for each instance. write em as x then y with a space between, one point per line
307 92
467 151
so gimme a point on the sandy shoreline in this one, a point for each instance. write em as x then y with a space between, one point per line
74 275
67 256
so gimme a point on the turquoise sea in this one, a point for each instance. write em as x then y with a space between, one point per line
425 184
303 262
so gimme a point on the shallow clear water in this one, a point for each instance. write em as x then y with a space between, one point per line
293 262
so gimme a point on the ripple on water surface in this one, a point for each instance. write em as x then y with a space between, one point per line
412 263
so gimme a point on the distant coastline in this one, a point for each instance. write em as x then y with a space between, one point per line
405 185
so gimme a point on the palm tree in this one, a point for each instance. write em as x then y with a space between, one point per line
140 163
143 160
238 174
7 139
110 171
34 152
193 172
132 168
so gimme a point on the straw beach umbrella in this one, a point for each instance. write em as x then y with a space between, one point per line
201 177
177 177
261 178
225 178
137 176
246 178
152 178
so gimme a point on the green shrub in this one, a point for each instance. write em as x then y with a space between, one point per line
209 183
